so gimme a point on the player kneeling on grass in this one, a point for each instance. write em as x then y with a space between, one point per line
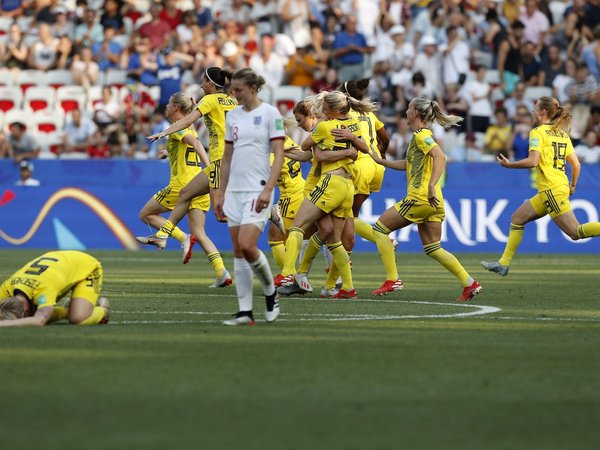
29 296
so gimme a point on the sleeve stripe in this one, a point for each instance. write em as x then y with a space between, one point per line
277 138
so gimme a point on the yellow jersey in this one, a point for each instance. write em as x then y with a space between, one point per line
554 146
369 125
419 166
290 181
323 138
183 159
213 108
47 278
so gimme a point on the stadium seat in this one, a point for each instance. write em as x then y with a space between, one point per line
115 77
11 97
47 121
492 76
49 143
57 78
16 115
38 98
288 95
266 94
70 97
27 78
535 92
5 23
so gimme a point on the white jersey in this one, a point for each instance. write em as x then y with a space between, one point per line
251 134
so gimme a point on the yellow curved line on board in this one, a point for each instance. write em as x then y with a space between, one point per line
108 217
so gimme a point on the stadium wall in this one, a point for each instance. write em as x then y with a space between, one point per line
94 204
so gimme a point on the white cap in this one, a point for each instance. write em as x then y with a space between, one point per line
428 39
229 49
396 29
26 165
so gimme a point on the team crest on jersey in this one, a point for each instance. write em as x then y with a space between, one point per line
257 120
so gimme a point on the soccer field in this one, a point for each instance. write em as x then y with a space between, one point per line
516 368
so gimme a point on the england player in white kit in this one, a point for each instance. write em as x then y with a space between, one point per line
252 131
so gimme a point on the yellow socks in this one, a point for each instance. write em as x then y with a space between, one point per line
292 249
449 261
588 230
166 229
515 236
278 252
216 262
96 316
363 229
386 250
341 260
312 250
178 234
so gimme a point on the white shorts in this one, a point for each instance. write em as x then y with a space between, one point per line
240 209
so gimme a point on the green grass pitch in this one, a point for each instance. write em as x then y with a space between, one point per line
516 368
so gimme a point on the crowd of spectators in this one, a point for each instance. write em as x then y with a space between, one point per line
486 60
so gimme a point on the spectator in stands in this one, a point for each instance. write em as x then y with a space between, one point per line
328 82
47 14
21 144
14 8
399 139
523 124
532 66
209 57
107 111
400 59
89 32
422 25
590 54
429 63
133 139
13 52
171 14
26 174
495 33
238 13
158 124
5 150
477 92
594 122
456 58
583 92
171 65
143 61
516 99
536 25
232 57
43 53
188 32
112 18
295 17
389 108
264 13
63 26
267 63
349 50
108 52
157 30
84 69
498 135
588 150
301 67
78 134
473 153
562 80
510 65
552 65
204 17
137 102
456 104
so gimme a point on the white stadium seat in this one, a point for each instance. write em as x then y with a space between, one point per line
71 97
38 98
11 97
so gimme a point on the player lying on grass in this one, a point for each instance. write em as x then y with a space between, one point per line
29 297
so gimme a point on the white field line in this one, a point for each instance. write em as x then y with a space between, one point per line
324 317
